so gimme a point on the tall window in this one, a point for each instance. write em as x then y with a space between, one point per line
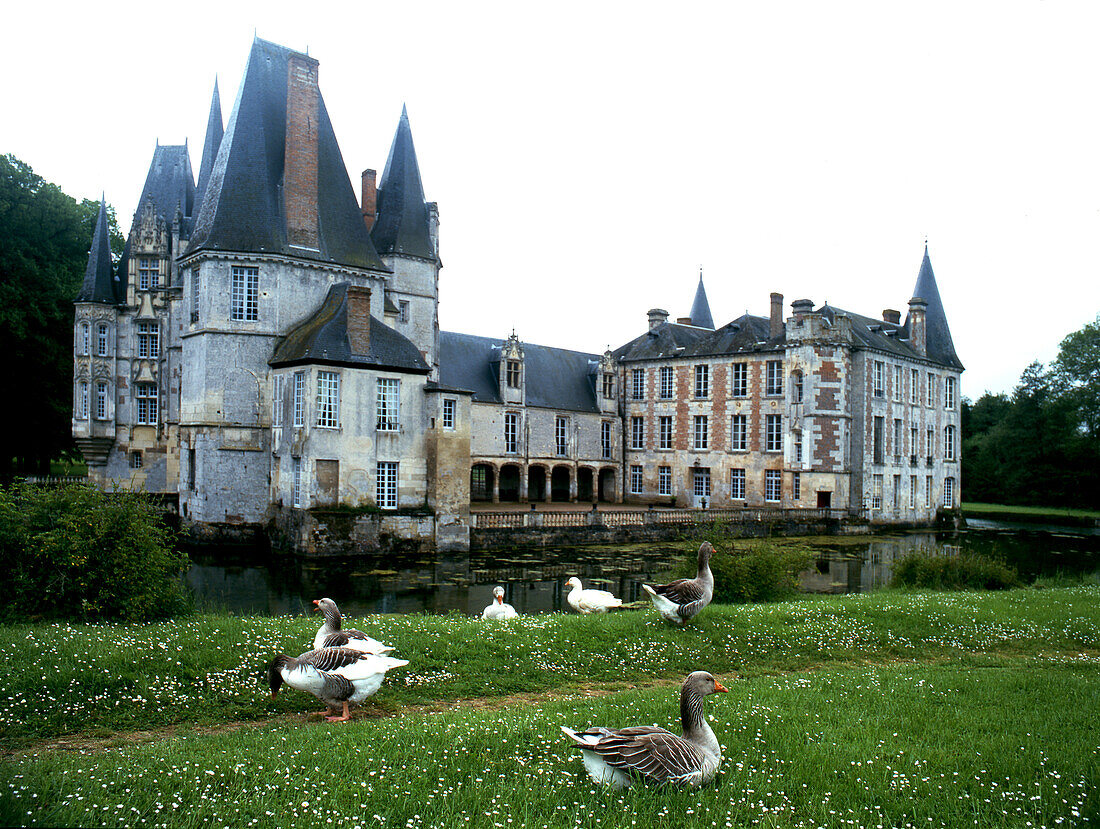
664 480
637 384
700 482
912 491
702 381
145 395
739 433
387 398
739 379
609 386
194 295
511 424
949 392
930 443
296 474
277 387
664 432
928 491
244 296
774 384
796 386
796 440
878 379
386 485
148 337
636 480
299 398
637 433
897 440
949 492
878 439
914 386
876 492
666 382
84 342
949 443
897 383
512 374
561 435
701 439
148 273
605 439
449 405
913 444
82 400
135 460
328 399
403 310
737 484
897 492
930 391
101 400
773 485
773 433
796 486
101 339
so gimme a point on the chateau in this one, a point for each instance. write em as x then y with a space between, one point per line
269 343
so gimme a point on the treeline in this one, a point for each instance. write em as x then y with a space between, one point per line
1041 444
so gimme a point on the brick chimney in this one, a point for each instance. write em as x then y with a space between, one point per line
359 319
890 315
657 317
300 152
918 325
802 307
775 327
369 198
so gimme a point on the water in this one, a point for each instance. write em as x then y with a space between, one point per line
254 583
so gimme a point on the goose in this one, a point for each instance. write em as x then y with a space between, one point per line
333 675
681 600
331 635
590 601
499 609
618 757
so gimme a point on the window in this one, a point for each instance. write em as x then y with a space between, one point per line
928 490
449 405
897 383
101 339
930 391
897 440
277 385
101 400
739 380
148 273
636 480
773 433
773 485
666 382
929 443
328 399
299 398
664 432
296 472
949 392
191 469
479 484
512 374
774 384
912 445
402 310
878 379
82 400
605 439
135 459
244 297
609 386
876 492
796 486
145 395
700 432
637 433
796 439
914 386
949 443
739 433
148 337
386 485
877 437
949 492
387 402
702 381
561 433
912 491
511 424
897 492
194 295
84 341
796 386
637 384
737 484
700 482
664 480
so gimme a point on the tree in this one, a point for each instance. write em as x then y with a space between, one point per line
1075 374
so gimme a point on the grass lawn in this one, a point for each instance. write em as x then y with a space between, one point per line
1006 509
892 709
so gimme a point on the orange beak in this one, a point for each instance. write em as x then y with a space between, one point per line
718 686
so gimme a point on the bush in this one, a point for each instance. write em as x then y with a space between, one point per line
962 572
759 572
78 553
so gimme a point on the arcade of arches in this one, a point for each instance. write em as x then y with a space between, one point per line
523 483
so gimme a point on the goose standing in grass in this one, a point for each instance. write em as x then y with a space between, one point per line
332 635
336 676
499 609
681 600
618 757
590 601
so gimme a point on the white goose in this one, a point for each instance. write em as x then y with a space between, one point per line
619 757
334 675
332 635
499 609
680 600
590 601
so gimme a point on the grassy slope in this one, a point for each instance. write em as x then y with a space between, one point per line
1007 510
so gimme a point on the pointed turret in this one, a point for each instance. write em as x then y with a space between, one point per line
214 132
700 309
403 225
98 285
938 344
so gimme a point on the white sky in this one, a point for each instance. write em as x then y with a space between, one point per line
587 158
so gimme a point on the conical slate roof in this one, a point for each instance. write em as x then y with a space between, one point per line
98 286
402 223
938 335
700 309
170 183
214 133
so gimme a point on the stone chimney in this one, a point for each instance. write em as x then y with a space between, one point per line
359 319
890 315
775 329
918 325
657 317
433 225
369 198
300 152
802 307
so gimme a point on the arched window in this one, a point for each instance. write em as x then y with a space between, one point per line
84 340
101 332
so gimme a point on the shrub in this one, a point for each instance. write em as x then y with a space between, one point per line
758 572
78 553
965 571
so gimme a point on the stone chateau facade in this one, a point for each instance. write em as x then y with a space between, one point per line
269 344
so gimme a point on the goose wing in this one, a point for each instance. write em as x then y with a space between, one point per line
654 754
681 591
328 660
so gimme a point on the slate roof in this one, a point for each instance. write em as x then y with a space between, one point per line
323 339
402 224
744 334
700 308
555 378
98 284
242 209
937 333
214 133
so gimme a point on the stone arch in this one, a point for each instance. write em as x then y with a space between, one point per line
560 483
538 482
482 480
509 482
608 486
586 488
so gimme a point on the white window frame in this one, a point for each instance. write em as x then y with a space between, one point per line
296 481
244 295
146 400
930 441
796 442
664 431
949 492
773 433
739 433
387 399
194 294
605 439
773 486
949 442
897 383
637 384
385 490
328 399
702 381
148 340
84 342
102 335
914 386
739 379
148 273
636 482
773 386
878 379
402 310
930 390
737 484
102 393
796 386
637 432
278 384
897 440
949 393
912 492
82 398
796 486
299 399
561 436
700 433
450 408
876 492
511 433
664 480
928 490
666 383
700 481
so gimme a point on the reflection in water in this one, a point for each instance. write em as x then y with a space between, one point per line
226 579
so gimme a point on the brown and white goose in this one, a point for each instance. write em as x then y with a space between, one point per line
332 635
590 600
499 609
619 757
336 676
680 600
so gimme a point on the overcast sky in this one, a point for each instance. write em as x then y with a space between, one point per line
588 158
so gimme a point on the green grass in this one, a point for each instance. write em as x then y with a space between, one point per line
971 508
888 708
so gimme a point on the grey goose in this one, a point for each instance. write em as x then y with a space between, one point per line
336 676
332 634
681 600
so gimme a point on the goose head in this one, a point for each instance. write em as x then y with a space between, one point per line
498 595
703 683
705 551
574 582
275 675
328 608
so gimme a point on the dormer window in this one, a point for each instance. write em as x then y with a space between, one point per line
512 374
609 386
148 273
